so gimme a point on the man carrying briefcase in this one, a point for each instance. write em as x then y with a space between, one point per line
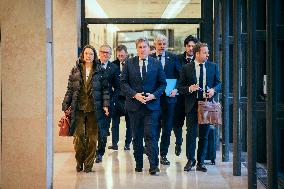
195 78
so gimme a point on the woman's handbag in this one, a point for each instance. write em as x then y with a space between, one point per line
209 112
64 123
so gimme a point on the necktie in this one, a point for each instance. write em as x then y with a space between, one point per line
160 57
187 60
121 65
200 92
103 65
143 70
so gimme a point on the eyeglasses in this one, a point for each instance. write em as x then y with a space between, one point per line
105 52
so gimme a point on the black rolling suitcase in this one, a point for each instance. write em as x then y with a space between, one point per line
211 148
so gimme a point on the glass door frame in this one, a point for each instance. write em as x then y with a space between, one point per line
87 21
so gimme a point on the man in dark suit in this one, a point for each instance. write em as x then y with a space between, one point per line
172 69
111 72
184 58
143 82
198 80
119 108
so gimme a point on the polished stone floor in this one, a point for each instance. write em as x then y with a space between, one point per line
117 172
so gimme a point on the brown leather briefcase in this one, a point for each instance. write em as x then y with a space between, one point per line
209 113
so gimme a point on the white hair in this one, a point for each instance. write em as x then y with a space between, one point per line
161 37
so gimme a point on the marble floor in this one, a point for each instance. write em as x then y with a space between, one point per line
117 172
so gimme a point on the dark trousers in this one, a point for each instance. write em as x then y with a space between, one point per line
179 118
85 138
115 130
102 135
144 124
166 125
191 134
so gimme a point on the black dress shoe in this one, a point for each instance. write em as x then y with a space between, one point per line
154 170
177 150
79 167
87 170
138 169
164 161
189 165
99 159
126 148
201 167
113 147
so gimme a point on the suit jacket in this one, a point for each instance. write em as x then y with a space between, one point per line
112 74
188 77
182 59
172 67
117 62
132 83
172 70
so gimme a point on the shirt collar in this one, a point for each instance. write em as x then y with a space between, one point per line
190 57
197 63
104 64
146 59
163 54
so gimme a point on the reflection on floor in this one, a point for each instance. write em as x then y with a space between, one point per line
117 172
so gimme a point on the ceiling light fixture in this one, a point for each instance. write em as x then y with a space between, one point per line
172 10
95 10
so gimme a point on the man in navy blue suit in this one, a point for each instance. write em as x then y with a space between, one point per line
198 80
119 108
172 69
143 81
111 72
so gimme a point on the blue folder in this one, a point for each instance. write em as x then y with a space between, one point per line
171 84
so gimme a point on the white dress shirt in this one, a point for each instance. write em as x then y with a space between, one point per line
104 65
141 64
197 69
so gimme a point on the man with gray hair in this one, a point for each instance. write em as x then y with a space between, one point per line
111 72
143 81
171 68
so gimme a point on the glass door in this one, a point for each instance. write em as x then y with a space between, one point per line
126 34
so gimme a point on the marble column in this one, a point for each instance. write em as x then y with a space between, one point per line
66 30
26 72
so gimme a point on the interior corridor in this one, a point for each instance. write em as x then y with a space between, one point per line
117 172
